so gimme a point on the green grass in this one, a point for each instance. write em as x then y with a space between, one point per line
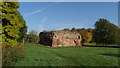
38 55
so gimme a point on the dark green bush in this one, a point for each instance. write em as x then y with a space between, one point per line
10 55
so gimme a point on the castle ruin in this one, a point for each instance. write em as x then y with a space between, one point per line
60 38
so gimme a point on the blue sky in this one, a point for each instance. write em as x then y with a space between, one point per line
41 16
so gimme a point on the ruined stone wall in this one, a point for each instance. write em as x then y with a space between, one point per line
46 38
60 38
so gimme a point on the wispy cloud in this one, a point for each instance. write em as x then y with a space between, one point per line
31 13
40 10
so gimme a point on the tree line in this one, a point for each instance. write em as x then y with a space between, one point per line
105 33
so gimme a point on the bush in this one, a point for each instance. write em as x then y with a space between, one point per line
11 55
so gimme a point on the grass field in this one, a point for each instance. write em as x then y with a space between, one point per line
38 55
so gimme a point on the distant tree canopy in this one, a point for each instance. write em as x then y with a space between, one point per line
66 29
74 29
105 32
32 37
90 30
13 25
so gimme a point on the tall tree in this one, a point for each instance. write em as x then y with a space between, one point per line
105 32
0 34
23 29
118 41
12 24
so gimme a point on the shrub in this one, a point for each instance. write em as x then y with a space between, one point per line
11 55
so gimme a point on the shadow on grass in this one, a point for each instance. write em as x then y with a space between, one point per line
102 46
115 55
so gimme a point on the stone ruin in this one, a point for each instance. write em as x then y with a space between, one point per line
60 38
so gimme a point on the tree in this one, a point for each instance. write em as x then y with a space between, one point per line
13 25
74 29
32 32
86 36
66 29
0 34
105 32
23 29
90 30
32 37
118 41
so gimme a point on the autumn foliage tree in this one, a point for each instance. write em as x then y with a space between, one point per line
23 30
86 36
90 30
0 33
13 24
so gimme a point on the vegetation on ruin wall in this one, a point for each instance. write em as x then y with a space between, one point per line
13 31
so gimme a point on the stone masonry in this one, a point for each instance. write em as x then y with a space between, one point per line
60 38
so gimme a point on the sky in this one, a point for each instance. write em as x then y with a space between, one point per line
41 16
